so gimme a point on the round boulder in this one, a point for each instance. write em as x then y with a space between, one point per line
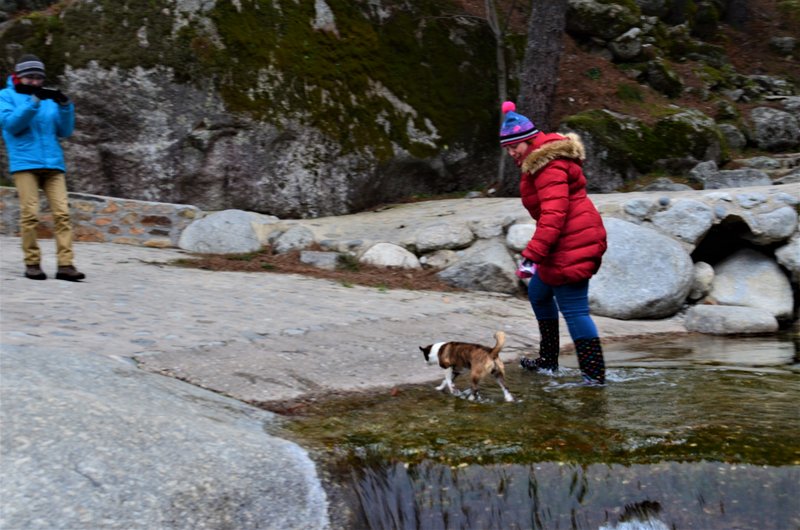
644 274
226 232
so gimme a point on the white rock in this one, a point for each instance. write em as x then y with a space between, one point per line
389 255
703 276
751 279
443 236
485 266
440 259
729 320
644 274
519 235
771 227
296 237
687 220
225 232
789 256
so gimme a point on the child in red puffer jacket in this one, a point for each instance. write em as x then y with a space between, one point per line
567 247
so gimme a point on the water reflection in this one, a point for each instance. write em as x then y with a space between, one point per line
693 433
703 495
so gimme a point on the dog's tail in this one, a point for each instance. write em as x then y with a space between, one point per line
500 337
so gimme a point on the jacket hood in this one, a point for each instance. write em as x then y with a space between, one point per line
10 82
552 147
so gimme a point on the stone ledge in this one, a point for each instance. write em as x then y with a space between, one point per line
102 219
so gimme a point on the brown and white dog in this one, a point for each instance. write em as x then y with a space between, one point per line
457 357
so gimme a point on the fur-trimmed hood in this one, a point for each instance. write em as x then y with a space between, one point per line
562 146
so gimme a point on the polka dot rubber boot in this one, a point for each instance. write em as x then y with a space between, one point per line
590 360
548 348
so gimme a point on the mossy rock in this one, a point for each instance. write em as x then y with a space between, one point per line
661 77
604 20
628 147
267 60
705 19
691 133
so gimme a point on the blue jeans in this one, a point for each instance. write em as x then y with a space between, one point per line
571 299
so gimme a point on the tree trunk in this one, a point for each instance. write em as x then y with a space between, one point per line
737 13
502 88
539 78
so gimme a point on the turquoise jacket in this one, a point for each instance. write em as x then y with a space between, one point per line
32 128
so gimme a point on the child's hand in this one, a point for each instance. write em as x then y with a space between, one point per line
526 269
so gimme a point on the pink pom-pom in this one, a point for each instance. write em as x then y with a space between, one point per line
508 106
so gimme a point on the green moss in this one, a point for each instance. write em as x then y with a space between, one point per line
631 142
790 9
629 93
266 60
338 80
625 142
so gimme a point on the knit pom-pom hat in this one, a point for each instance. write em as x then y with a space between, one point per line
516 127
29 64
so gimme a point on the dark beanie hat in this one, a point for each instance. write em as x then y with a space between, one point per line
516 128
29 65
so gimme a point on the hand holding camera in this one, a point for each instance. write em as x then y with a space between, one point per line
25 89
51 93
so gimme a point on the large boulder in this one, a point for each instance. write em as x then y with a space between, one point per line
729 320
485 266
686 219
620 147
774 130
751 279
605 20
644 274
771 227
242 104
789 256
226 232
441 236
736 178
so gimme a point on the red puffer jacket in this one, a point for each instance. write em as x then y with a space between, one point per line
570 239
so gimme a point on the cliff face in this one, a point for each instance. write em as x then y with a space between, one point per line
297 109
302 108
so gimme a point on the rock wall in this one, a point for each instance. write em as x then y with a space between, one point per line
108 219
309 109
297 109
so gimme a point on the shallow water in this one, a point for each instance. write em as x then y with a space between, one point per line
697 432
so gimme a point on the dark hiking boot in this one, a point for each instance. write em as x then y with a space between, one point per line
590 360
537 365
69 273
548 348
35 272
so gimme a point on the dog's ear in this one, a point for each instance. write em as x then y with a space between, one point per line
426 351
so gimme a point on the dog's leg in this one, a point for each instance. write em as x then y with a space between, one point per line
446 380
449 375
475 381
499 376
453 390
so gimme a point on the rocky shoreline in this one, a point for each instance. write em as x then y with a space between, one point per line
710 252
705 251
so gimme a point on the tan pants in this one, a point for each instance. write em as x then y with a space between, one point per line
54 185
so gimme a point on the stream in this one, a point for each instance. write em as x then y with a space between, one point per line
693 432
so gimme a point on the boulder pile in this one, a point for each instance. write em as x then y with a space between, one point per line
703 252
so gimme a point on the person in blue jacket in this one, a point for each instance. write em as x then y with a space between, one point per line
33 119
